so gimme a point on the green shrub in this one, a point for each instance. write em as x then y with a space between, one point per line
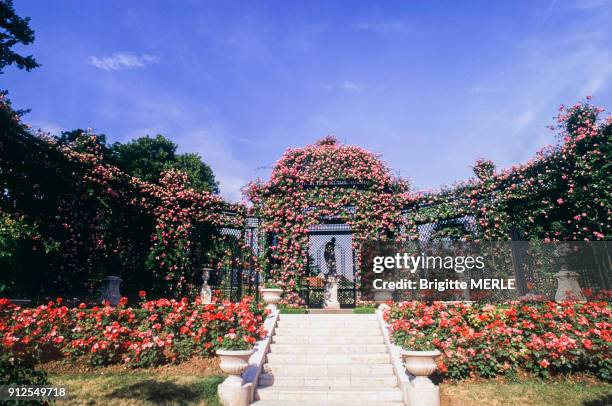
364 310
17 371
293 310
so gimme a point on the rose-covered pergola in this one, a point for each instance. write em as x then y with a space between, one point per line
561 194
325 183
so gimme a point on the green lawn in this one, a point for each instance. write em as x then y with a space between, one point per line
139 388
526 393
195 383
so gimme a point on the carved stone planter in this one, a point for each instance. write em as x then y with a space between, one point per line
110 291
568 287
271 297
234 362
383 295
421 364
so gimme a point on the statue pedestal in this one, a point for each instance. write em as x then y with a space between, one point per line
206 291
110 291
331 292
568 287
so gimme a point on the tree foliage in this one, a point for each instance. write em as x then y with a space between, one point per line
14 30
148 157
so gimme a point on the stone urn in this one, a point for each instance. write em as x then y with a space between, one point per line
271 296
232 392
421 363
234 362
383 295
568 287
110 291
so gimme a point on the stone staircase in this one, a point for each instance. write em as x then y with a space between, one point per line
328 359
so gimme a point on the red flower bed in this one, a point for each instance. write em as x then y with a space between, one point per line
158 332
487 340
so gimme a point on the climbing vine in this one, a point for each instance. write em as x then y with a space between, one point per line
103 221
564 193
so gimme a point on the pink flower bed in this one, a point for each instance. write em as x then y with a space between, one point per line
160 331
487 340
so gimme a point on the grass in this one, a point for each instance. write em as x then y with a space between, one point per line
129 388
139 388
530 392
364 310
193 382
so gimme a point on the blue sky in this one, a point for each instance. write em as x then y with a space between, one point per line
431 86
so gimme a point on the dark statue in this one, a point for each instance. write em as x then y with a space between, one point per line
330 256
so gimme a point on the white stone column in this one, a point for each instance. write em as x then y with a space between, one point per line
232 392
423 393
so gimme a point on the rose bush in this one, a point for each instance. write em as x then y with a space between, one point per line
160 331
487 340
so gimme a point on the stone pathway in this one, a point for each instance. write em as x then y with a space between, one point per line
328 359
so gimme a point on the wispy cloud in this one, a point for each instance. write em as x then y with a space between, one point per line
344 85
598 75
214 146
124 60
590 4
480 89
380 26
195 127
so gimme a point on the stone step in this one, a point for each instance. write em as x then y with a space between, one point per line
327 382
305 394
279 348
336 324
317 340
327 331
327 359
330 311
328 370
287 403
327 317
